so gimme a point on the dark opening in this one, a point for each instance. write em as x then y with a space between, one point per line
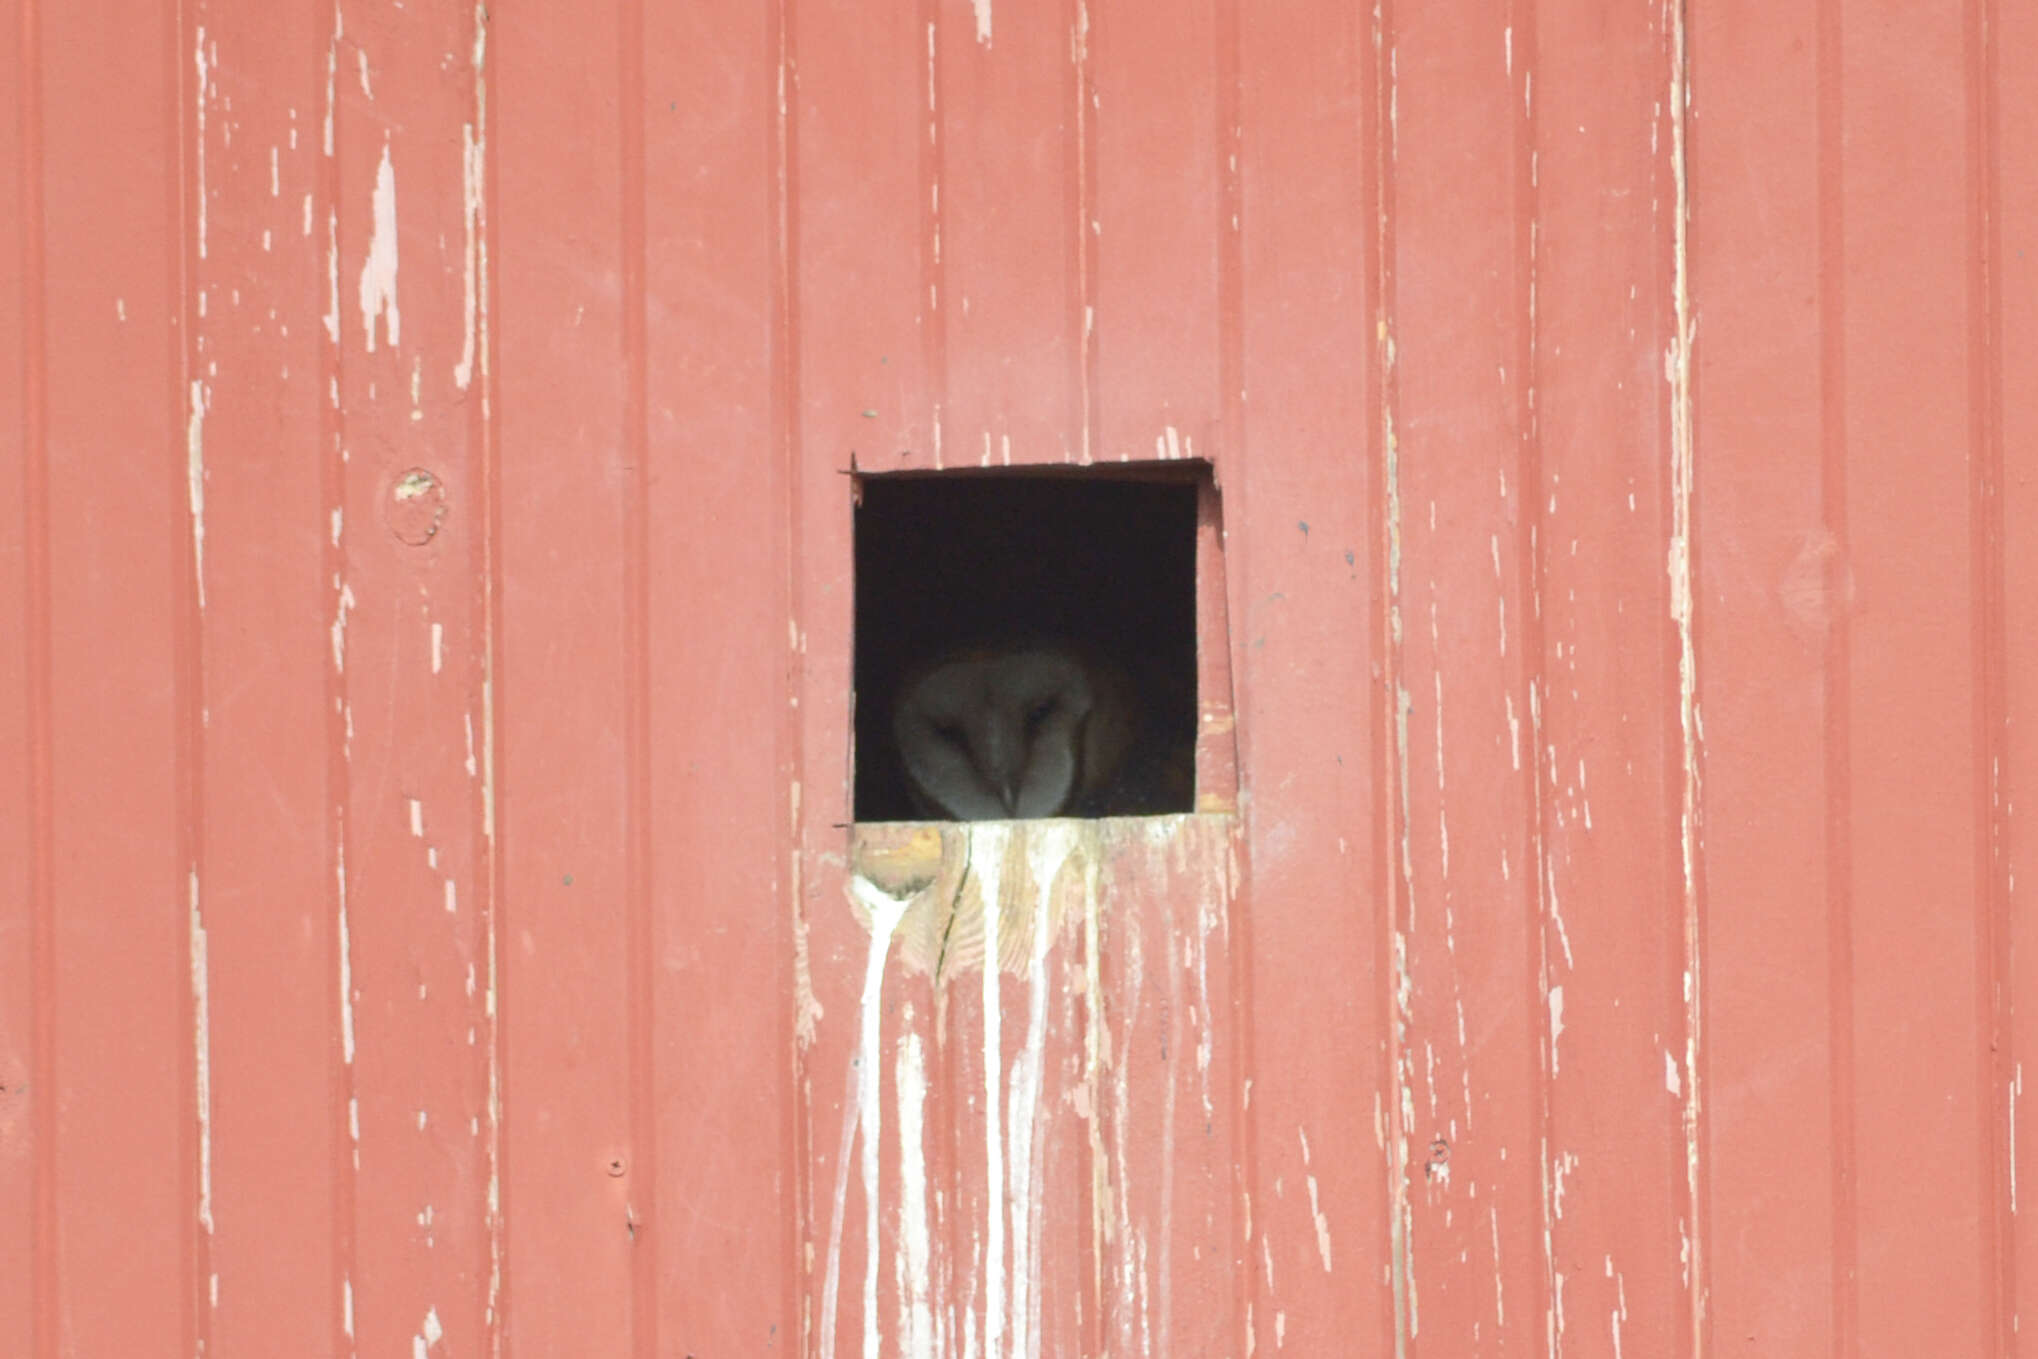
1095 570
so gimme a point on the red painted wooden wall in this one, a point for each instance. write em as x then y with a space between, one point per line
428 919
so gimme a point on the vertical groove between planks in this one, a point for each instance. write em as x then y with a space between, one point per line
486 432
1230 452
1684 792
785 436
1079 194
1997 1050
1082 198
36 544
1832 314
933 301
1529 564
642 1167
333 492
188 678
1391 770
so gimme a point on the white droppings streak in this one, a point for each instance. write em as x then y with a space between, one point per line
1673 1080
885 912
378 271
916 1312
194 471
417 818
201 1041
1048 849
438 647
987 857
452 899
983 13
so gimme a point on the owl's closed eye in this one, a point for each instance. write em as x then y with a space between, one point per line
1014 731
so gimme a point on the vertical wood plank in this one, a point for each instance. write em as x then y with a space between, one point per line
255 297
1771 598
571 1174
124 1150
1911 797
409 647
2013 211
1004 123
719 543
1155 141
1307 622
26 1207
864 344
1467 1069
1625 1250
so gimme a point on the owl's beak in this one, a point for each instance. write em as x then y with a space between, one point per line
1008 793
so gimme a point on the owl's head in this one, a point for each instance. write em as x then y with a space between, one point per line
1004 732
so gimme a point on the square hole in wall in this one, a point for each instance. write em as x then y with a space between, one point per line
1026 643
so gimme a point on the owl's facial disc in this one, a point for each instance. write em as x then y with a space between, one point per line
989 738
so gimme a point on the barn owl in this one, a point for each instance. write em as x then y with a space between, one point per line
1012 731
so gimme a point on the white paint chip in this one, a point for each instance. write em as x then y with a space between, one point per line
430 1333
378 271
194 466
201 1037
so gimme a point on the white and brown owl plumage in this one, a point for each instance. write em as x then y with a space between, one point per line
1013 731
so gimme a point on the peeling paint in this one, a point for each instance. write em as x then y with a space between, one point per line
1682 609
198 96
194 471
378 271
341 608
429 1334
201 1041
346 952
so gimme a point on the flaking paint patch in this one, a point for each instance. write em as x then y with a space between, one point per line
341 608
1682 609
346 948
378 271
430 1333
201 1042
194 471
2016 1097
474 197
1316 1213
332 312
198 97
